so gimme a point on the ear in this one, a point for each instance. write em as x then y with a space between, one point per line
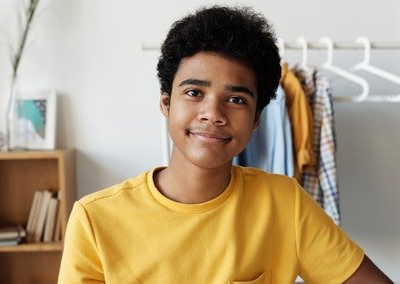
165 101
256 120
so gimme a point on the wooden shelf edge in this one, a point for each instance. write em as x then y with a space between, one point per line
33 247
28 155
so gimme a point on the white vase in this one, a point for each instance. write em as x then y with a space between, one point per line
2 141
16 131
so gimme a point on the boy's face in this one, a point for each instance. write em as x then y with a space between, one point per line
211 110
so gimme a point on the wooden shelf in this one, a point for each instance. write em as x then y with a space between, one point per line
31 155
22 173
34 247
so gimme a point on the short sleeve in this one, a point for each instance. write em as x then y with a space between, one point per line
326 254
80 261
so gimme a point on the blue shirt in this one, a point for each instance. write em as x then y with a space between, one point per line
271 146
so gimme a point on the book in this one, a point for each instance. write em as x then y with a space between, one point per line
33 210
9 242
57 230
51 220
33 215
41 218
11 232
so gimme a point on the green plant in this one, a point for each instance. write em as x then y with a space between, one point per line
25 22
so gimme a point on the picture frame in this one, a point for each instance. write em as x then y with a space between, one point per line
37 119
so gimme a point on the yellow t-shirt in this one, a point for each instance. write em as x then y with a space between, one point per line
262 229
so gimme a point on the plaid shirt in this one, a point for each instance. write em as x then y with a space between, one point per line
321 181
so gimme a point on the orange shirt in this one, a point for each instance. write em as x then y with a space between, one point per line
301 121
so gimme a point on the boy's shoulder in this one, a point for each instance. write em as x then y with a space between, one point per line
250 174
127 186
261 183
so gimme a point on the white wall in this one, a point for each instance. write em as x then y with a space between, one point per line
91 52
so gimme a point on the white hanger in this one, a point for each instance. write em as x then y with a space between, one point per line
281 47
345 74
366 66
304 50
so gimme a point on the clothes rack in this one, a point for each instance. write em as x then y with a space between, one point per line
358 44
361 44
343 45
310 45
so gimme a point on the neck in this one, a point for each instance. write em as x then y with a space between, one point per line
191 184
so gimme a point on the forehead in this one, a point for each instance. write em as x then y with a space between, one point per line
215 68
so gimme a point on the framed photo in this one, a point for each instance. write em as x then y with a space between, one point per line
37 119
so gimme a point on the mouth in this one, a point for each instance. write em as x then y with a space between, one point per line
209 137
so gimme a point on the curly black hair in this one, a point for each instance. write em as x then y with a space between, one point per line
235 32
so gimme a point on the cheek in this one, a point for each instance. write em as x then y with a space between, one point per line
179 116
247 126
248 134
246 119
179 112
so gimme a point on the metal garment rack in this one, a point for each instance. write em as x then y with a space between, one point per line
361 43
310 45
343 45
325 43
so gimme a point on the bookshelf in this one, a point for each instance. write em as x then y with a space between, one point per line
21 174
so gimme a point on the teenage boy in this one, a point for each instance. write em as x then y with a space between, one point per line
202 220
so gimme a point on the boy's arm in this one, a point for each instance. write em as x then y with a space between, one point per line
80 262
368 273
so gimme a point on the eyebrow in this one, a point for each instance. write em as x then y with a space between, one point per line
206 83
240 89
197 82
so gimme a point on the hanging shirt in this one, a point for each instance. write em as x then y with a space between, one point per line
321 180
270 147
301 121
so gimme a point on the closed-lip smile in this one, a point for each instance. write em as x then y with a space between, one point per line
210 137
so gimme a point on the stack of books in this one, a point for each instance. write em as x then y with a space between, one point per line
11 235
43 222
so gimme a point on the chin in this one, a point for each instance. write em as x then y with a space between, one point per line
211 163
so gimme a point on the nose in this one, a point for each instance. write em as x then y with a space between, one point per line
212 111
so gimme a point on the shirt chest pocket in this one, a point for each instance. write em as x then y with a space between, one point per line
264 278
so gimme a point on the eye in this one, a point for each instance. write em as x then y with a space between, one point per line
236 100
192 93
